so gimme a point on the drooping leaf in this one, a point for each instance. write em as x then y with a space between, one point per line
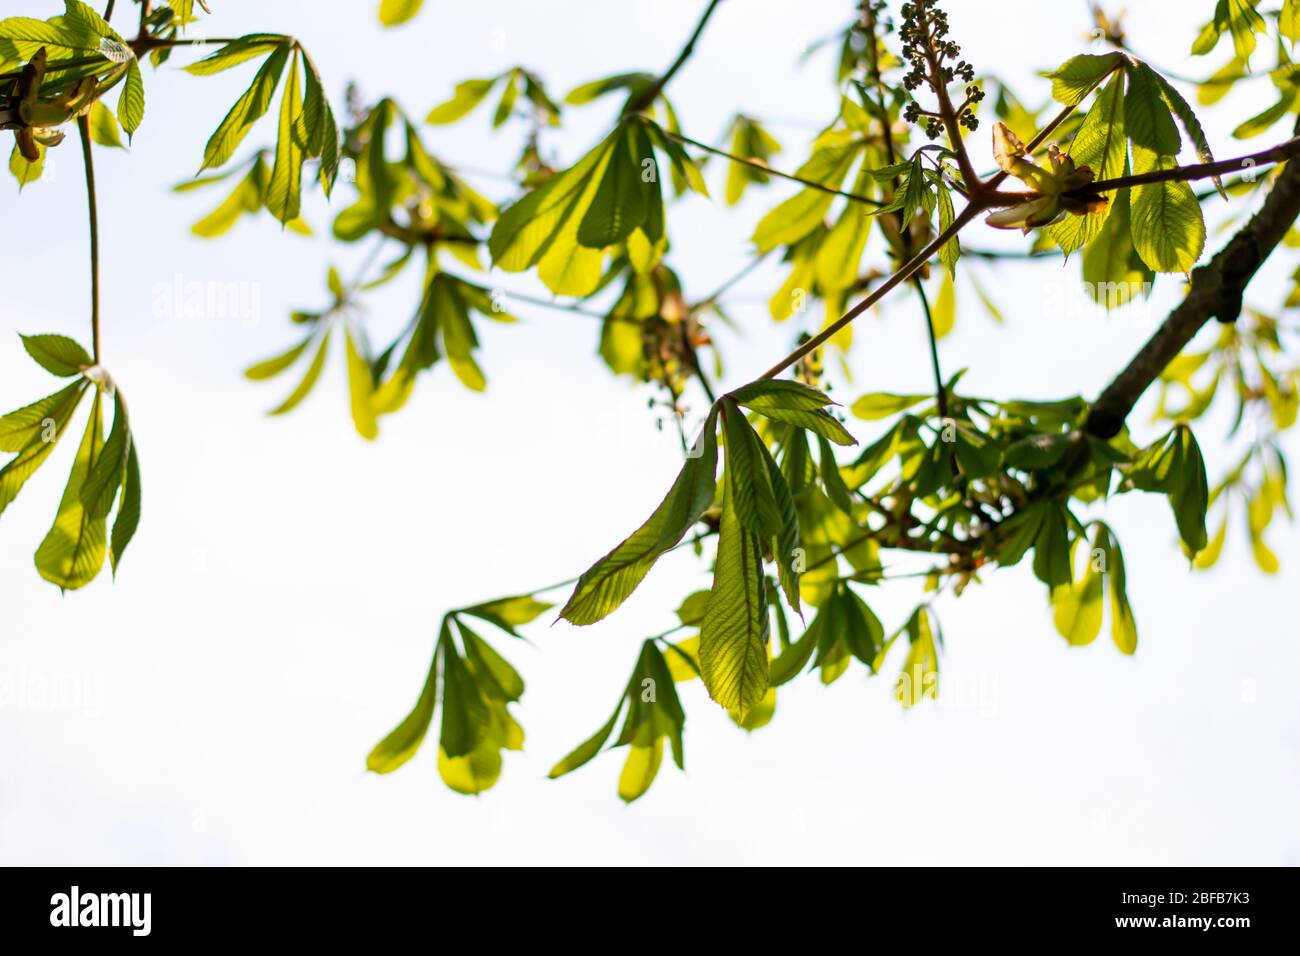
74 550
248 109
609 582
733 638
404 740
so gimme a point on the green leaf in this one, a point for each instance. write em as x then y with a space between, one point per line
274 366
1288 21
236 52
361 385
1102 145
1166 223
1077 607
284 193
1123 628
73 552
1173 466
103 127
1074 79
502 680
588 749
32 432
468 94
1191 125
1039 452
609 582
509 613
130 107
950 251
1052 547
401 744
619 204
394 12
876 405
750 140
920 675
1113 273
246 198
733 638
832 480
779 393
464 712
308 380
804 211
23 171
840 254
128 509
541 228
248 109
57 354
748 476
109 470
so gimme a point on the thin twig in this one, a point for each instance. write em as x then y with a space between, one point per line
651 93
755 164
941 393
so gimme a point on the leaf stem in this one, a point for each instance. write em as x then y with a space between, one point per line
83 128
755 164
941 393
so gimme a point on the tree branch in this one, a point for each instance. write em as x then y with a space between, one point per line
1216 292
650 94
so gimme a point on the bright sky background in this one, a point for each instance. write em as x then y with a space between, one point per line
275 615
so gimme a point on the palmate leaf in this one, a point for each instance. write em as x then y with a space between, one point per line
609 582
734 635
74 550
653 713
526 234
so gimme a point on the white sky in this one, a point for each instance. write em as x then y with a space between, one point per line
276 613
